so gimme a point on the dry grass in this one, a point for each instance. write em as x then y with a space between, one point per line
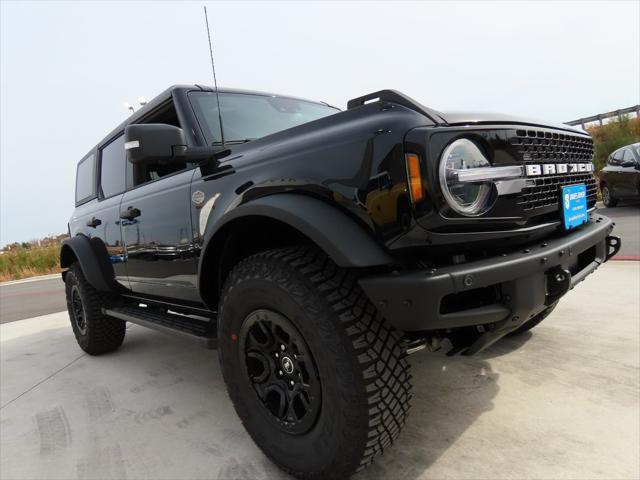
28 262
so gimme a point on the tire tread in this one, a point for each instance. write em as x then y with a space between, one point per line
378 348
105 334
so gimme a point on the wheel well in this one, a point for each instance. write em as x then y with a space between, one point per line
239 239
67 256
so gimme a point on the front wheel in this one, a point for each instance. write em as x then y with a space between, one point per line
319 380
607 197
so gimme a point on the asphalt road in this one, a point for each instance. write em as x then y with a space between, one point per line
627 218
39 297
31 298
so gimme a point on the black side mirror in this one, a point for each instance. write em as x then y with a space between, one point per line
160 143
153 143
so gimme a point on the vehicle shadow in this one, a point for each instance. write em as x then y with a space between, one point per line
450 393
506 345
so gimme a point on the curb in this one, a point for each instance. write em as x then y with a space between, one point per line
31 279
626 258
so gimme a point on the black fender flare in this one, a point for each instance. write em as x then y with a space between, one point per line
346 242
92 255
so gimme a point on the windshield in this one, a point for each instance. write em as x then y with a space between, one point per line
247 117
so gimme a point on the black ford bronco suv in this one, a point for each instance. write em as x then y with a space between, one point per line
318 248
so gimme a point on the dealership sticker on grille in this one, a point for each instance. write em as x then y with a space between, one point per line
574 205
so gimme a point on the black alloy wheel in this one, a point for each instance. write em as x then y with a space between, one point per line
320 381
77 310
281 370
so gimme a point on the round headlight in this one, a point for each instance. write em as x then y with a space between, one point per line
469 198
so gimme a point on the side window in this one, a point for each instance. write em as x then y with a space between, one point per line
85 179
628 156
615 157
112 168
152 172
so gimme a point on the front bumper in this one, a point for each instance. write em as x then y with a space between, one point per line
495 295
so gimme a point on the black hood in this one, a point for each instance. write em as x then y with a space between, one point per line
475 118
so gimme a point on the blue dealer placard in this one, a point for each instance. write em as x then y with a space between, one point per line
574 205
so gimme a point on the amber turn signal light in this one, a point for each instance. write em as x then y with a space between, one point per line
413 176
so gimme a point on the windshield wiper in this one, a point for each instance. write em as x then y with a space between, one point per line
234 142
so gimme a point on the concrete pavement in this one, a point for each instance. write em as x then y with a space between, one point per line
560 403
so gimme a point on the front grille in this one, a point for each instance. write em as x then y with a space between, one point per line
544 191
549 146
540 146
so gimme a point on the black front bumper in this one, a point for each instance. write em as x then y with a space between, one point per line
497 294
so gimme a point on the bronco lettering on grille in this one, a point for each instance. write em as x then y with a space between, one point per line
534 170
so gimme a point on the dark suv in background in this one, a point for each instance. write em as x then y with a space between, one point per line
621 177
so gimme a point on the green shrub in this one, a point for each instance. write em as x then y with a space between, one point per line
613 135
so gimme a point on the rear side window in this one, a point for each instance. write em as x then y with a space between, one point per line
112 168
85 179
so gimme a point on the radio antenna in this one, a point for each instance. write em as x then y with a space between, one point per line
215 81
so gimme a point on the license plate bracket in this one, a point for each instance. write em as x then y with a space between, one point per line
573 204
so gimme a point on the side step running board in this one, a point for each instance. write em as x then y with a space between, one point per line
202 332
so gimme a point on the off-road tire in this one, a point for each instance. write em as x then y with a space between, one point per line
608 199
361 361
529 324
101 334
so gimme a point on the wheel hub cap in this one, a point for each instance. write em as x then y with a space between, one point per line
287 365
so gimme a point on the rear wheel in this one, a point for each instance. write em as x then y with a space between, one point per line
95 332
607 197
319 380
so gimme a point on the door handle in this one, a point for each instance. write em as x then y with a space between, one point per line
130 213
94 222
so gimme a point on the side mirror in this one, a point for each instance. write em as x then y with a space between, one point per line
160 143
153 143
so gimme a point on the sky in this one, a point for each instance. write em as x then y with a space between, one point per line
67 67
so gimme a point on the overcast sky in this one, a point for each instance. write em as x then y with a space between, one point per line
66 69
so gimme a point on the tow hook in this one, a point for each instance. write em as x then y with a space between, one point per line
558 283
613 246
432 344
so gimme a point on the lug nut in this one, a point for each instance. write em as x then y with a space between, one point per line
279 372
282 347
277 354
292 383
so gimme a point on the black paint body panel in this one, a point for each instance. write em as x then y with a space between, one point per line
339 181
